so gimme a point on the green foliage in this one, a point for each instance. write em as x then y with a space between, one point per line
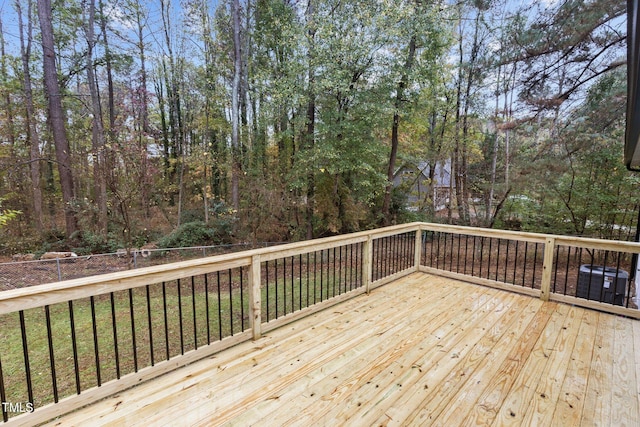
7 215
195 233
198 233
93 243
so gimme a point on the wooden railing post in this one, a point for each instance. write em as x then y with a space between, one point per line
367 264
255 297
418 249
547 267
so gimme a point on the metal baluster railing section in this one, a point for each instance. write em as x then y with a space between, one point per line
502 260
292 283
90 341
393 254
594 274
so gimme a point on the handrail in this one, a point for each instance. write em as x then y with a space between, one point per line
342 267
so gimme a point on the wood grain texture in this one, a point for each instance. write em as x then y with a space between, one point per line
423 350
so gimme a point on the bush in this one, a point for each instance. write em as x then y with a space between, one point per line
195 233
93 243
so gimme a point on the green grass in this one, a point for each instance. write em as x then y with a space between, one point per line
225 315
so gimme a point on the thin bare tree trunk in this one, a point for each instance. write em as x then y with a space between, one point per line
311 115
56 116
235 107
33 137
97 137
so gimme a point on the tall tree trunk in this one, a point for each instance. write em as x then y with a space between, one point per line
8 105
32 130
109 68
235 107
311 116
97 136
56 116
408 65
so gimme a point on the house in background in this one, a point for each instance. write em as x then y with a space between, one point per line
422 191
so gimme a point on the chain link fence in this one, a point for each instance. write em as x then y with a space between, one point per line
15 275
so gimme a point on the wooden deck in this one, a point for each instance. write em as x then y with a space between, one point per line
423 350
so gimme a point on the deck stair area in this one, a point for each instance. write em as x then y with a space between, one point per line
419 324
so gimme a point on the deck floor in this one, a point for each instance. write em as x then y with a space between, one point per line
423 350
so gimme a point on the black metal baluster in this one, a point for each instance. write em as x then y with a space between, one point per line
114 327
535 265
444 252
628 291
95 340
506 262
315 269
466 253
52 359
193 307
566 271
133 332
451 253
242 298
74 345
438 251
396 254
515 263
284 286
300 281
321 274
524 263
358 261
555 268
292 283
335 273
275 262
340 272
458 254
498 259
473 256
3 395
266 265
150 327
308 275
206 305
481 254
166 320
180 316
230 301
25 353
220 306
577 284
385 257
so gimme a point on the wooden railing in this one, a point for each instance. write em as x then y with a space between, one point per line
580 271
70 343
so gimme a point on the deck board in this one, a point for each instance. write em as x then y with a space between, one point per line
423 350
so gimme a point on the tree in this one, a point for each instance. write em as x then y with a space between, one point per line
236 168
97 134
33 136
56 116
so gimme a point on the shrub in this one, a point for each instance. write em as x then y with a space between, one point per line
195 233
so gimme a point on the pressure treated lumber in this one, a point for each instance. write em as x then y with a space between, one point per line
423 350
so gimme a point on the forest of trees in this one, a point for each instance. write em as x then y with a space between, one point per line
124 121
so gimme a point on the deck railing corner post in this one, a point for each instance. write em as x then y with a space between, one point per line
367 267
547 267
255 297
418 248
